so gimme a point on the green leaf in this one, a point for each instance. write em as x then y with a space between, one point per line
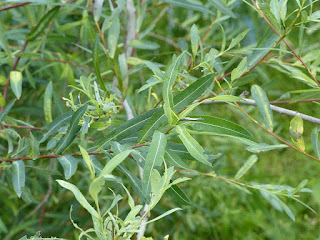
180 101
240 69
314 16
262 101
237 39
164 214
69 165
246 166
195 38
126 129
154 158
96 187
170 77
143 44
315 141
221 6
88 162
18 176
48 103
194 148
188 5
72 130
113 35
96 63
114 162
43 23
175 160
262 147
55 125
134 181
226 98
16 83
80 198
279 9
217 126
296 131
4 44
179 196
244 80
6 110
34 147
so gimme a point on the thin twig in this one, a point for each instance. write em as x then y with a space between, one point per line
273 108
14 6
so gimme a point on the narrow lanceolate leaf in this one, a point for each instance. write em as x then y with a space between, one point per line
240 69
188 5
262 101
221 6
48 103
114 162
126 129
80 198
194 148
170 77
72 131
96 187
16 83
180 101
96 62
6 110
175 160
296 131
154 158
113 35
2 100
216 126
179 196
195 38
55 125
88 161
134 181
69 165
246 166
262 147
18 176
315 141
43 23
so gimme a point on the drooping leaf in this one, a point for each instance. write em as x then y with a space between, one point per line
6 110
126 129
188 5
179 196
180 101
114 162
194 148
216 126
48 103
315 141
113 35
221 6
72 130
55 125
296 131
96 63
263 147
43 23
80 198
18 176
16 83
154 158
69 165
246 166
262 101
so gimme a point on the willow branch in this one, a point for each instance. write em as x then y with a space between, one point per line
14 6
273 108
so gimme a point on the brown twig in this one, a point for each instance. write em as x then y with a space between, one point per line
14 6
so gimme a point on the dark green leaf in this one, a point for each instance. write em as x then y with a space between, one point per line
188 5
315 141
69 165
6 110
179 196
96 63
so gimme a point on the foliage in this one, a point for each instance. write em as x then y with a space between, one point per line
117 114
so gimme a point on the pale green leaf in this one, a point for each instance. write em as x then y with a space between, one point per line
246 166
48 103
18 176
188 5
194 148
96 187
80 198
226 98
238 39
221 6
164 214
113 35
114 162
88 162
154 158
195 38
262 101
69 165
144 44
240 69
296 131
16 83
262 147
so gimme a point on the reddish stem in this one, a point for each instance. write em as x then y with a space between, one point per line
14 6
